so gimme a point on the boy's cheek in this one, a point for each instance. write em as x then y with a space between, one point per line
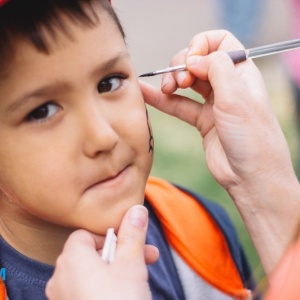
59 180
151 137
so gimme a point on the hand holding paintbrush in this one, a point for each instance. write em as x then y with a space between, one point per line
240 55
245 149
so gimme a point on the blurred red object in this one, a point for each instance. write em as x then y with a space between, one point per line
2 2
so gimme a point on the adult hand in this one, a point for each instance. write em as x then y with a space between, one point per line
81 273
236 120
244 146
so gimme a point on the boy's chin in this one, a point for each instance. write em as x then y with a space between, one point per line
104 227
98 219
101 226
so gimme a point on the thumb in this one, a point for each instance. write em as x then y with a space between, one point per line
132 233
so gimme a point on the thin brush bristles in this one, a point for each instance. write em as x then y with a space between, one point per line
147 74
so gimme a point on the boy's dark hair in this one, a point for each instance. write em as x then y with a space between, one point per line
30 18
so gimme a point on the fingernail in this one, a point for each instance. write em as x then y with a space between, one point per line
193 60
165 81
181 76
138 216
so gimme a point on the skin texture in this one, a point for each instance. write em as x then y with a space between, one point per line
70 154
244 146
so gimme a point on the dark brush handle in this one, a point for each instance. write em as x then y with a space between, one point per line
238 55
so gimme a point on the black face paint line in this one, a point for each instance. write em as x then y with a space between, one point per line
151 139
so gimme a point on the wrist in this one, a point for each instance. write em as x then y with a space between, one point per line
261 190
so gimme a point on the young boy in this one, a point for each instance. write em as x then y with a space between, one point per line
76 152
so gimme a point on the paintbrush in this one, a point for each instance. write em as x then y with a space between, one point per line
241 55
109 248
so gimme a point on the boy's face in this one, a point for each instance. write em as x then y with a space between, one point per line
73 130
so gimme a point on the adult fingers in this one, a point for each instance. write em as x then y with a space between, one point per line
226 79
178 106
78 257
82 240
201 45
179 79
132 234
210 41
151 254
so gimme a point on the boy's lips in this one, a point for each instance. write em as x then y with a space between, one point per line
111 180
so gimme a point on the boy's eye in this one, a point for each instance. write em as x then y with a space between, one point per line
43 112
110 84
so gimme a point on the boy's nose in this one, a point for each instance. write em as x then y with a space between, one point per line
98 134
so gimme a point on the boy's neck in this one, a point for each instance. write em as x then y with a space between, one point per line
32 237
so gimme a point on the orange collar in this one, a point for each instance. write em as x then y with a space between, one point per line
195 236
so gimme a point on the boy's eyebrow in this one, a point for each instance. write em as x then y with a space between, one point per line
45 90
111 62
